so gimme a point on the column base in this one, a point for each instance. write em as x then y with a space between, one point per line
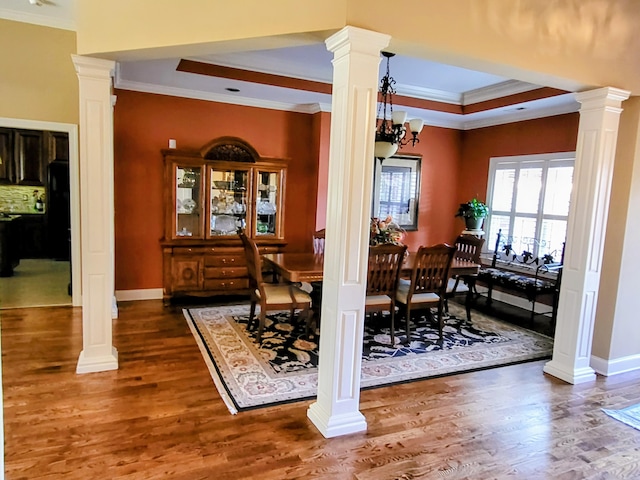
336 425
97 364
573 376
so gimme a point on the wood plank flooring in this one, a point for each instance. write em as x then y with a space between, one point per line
160 417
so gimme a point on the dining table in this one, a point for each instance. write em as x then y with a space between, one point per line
308 267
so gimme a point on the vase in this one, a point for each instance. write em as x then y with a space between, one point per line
473 223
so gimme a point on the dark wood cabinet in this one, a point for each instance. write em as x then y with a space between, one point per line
209 194
32 236
25 155
6 156
9 245
57 146
29 158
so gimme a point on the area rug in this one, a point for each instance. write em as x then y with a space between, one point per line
629 415
284 367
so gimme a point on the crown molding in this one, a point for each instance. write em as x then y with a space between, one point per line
220 98
520 116
430 118
429 94
264 65
42 20
499 90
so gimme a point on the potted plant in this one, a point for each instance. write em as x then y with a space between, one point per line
473 212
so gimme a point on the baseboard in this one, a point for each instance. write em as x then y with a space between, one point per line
142 294
609 367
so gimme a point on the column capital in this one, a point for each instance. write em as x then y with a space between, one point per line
607 96
356 39
93 67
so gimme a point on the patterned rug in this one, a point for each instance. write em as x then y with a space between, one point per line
284 367
629 416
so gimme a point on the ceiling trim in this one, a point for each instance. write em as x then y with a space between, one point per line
503 89
457 122
220 98
219 71
43 20
521 116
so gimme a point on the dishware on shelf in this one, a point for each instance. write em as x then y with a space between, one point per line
189 205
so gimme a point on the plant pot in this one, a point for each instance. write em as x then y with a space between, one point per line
473 223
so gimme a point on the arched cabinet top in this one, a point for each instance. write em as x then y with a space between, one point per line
229 148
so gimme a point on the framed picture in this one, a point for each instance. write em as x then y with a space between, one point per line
396 190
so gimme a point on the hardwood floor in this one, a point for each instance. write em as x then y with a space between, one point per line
159 416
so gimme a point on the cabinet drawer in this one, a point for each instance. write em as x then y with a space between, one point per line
231 284
189 250
225 261
225 272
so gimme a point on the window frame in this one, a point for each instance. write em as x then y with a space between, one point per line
545 161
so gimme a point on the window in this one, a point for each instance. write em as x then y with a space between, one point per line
528 197
396 189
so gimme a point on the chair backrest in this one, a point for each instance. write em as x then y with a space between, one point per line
318 242
254 262
468 248
385 262
431 269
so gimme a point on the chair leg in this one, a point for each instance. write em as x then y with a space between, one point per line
440 318
393 314
471 283
408 324
252 313
263 315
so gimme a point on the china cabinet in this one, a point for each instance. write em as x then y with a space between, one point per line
209 195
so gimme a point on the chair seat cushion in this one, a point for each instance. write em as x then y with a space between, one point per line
279 294
377 301
403 292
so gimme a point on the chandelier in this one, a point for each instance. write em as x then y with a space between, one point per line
390 129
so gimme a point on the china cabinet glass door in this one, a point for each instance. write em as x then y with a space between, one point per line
228 201
188 201
268 204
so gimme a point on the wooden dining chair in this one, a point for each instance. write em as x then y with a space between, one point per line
428 283
270 296
385 262
468 249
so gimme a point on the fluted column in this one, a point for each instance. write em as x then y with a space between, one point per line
96 213
595 155
355 89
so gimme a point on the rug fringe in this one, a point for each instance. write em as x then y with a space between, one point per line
212 369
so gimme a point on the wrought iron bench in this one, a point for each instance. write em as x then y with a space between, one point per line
535 278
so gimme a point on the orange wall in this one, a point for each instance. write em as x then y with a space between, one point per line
440 149
322 133
454 168
143 125
544 135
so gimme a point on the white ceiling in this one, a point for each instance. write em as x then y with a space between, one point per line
415 78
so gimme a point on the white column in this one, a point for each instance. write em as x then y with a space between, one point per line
96 213
354 100
595 155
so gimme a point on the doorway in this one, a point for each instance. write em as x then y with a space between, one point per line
52 278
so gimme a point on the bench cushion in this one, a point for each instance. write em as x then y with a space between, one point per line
530 286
